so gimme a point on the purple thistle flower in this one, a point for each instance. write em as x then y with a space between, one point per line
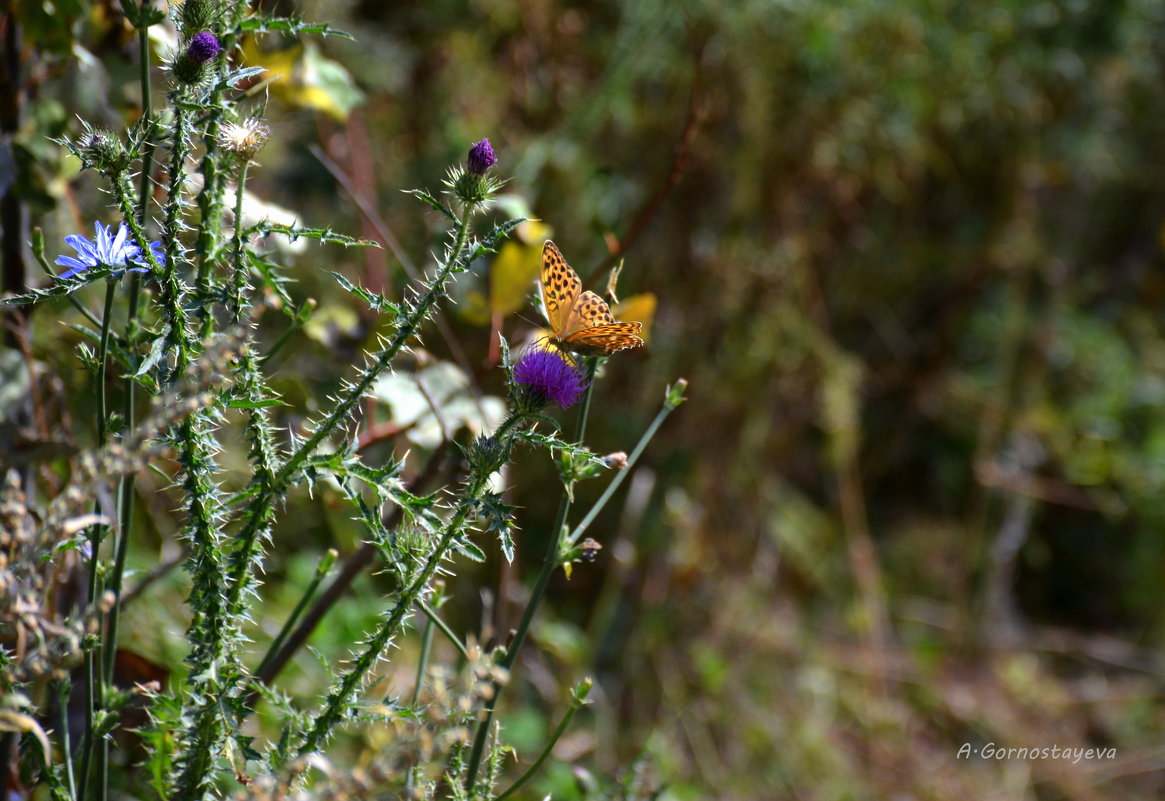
481 158
108 250
549 377
203 48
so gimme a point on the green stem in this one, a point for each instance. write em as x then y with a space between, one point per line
259 511
536 595
336 704
576 702
301 317
93 671
64 690
617 481
321 573
423 662
435 618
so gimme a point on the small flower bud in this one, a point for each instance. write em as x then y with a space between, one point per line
481 158
471 183
190 66
616 460
486 455
102 151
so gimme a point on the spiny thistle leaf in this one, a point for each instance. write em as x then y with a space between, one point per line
294 232
375 301
62 287
293 24
432 202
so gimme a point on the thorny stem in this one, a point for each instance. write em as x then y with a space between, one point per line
536 595
239 276
179 337
259 511
337 701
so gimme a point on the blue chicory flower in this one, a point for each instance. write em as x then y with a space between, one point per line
549 377
106 249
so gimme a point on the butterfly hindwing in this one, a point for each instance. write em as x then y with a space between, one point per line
605 339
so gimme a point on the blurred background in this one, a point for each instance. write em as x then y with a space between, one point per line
909 257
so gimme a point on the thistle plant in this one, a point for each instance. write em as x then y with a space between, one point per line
175 347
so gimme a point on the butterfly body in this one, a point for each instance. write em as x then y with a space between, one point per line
581 322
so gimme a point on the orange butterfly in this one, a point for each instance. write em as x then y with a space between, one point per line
581 321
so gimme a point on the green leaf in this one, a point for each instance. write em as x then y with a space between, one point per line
465 546
293 24
375 301
429 200
62 286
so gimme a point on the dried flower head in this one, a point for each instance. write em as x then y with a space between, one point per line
107 250
245 139
481 158
549 378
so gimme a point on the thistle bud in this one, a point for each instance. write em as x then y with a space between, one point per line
616 460
481 158
102 151
190 66
203 48
472 183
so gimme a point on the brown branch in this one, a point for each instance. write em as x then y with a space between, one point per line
618 247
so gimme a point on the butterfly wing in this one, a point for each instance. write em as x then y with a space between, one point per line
581 321
604 339
561 288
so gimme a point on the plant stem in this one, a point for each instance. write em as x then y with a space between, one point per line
435 618
576 702
239 271
93 677
322 571
423 662
617 481
338 699
536 595
258 514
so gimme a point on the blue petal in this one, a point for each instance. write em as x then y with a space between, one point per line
69 261
84 248
71 273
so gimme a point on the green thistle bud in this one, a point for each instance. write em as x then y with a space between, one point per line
102 151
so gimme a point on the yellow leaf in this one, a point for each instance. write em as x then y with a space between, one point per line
304 78
513 271
637 308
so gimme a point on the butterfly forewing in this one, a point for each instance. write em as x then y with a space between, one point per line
581 321
560 287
